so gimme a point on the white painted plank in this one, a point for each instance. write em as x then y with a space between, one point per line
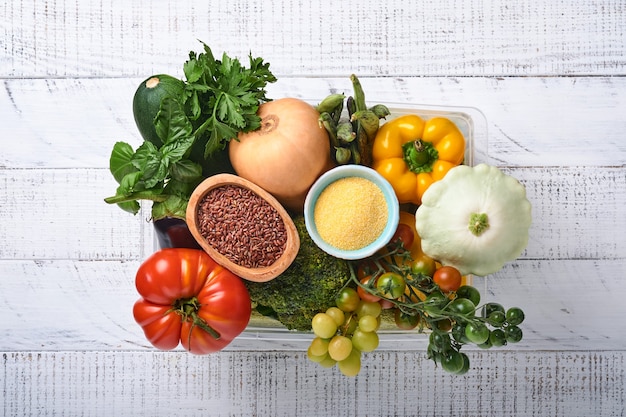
555 118
86 305
578 212
567 304
529 121
452 37
65 123
61 214
68 305
90 384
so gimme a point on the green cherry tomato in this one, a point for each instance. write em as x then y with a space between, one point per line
490 308
423 265
462 306
497 338
513 334
440 341
466 365
486 344
435 301
452 362
433 354
458 333
347 300
514 316
469 292
496 318
406 321
477 332
391 285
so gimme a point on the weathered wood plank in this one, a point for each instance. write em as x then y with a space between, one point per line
555 384
452 37
548 76
87 305
61 214
68 305
577 212
528 121
567 303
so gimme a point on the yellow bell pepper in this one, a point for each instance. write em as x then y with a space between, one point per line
412 153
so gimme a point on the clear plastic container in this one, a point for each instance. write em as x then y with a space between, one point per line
267 334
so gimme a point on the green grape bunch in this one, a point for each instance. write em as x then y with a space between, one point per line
343 332
425 300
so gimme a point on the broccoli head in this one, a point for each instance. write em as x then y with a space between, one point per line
308 286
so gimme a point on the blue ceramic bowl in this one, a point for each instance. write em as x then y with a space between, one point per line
344 171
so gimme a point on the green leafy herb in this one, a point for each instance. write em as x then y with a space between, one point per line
219 99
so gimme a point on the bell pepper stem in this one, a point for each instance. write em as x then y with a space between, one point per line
419 156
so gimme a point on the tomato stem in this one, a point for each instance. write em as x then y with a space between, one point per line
431 311
201 323
187 309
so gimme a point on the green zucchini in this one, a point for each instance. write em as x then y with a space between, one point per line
147 101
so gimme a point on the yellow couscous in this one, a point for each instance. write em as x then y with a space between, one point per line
350 213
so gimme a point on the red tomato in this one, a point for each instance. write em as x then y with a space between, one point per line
188 298
448 278
366 268
405 235
364 294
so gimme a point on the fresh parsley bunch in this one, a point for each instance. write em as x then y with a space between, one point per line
219 99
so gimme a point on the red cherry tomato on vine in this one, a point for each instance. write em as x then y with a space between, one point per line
364 293
405 235
188 298
386 304
365 269
448 278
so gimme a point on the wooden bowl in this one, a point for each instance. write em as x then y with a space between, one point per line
256 274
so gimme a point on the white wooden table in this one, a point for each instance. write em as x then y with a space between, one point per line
549 78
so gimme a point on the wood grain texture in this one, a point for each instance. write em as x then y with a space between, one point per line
265 384
577 211
529 121
87 305
452 38
61 214
547 78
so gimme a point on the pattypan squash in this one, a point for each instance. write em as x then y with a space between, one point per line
475 219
